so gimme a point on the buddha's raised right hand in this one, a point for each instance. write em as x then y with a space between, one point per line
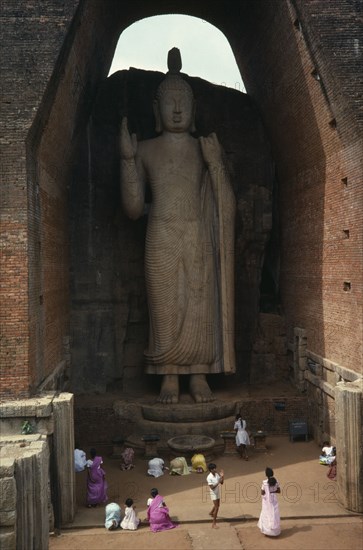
128 144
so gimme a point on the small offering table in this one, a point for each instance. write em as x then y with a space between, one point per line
229 443
151 445
260 441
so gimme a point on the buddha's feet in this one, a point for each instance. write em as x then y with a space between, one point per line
199 389
169 392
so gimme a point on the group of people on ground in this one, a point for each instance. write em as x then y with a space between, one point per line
157 511
177 466
157 514
114 518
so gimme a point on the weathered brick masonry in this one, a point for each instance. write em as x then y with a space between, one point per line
303 76
32 34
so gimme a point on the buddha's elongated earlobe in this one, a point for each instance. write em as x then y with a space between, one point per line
156 110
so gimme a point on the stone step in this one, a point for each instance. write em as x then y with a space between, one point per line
196 412
166 430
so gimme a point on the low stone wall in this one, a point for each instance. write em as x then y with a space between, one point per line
24 468
349 435
7 504
37 476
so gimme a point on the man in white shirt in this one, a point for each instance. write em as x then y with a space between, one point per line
214 480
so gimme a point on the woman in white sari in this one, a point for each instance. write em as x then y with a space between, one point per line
269 522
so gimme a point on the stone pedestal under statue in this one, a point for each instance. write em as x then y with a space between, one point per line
179 420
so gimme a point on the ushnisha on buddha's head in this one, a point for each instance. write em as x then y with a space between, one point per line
174 106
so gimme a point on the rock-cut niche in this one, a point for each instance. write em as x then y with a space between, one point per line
109 304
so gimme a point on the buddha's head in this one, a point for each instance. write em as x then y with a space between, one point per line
174 106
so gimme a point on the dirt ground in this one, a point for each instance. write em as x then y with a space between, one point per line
311 516
317 534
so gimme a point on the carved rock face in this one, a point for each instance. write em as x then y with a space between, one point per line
108 284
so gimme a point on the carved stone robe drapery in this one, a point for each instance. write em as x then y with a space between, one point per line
189 267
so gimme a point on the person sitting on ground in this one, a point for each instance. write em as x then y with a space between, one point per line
113 516
156 467
80 460
127 457
328 452
158 513
179 466
130 521
199 464
327 449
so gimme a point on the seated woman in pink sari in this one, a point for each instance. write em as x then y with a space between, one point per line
158 513
96 482
269 522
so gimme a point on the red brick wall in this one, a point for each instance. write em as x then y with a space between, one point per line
277 59
31 36
34 290
82 64
332 36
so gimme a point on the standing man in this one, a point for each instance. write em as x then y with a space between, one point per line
214 480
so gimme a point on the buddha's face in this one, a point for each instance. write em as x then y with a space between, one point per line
176 109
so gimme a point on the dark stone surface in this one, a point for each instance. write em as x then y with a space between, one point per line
108 289
195 412
188 443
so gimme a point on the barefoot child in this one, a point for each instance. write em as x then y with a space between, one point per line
214 480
